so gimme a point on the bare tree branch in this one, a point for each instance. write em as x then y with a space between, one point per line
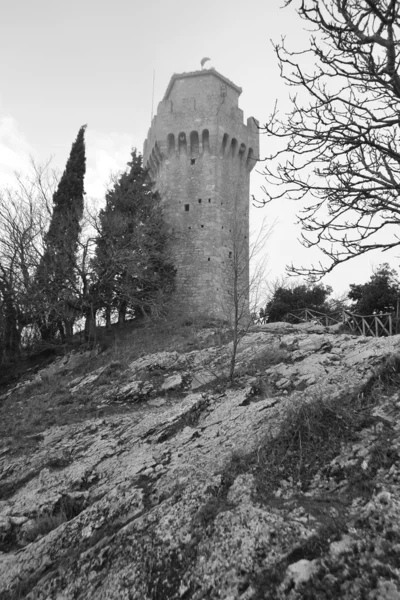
340 152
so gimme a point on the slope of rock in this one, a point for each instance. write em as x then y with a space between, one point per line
180 494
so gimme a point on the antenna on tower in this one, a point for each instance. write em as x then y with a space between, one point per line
152 96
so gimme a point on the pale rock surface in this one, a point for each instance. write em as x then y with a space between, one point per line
300 571
153 511
172 383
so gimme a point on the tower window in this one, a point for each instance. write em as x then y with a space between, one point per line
234 147
182 142
202 226
250 159
192 161
209 200
199 200
208 259
194 144
187 207
230 254
206 140
224 143
171 143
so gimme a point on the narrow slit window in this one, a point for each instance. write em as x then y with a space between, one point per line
171 143
209 200
194 144
199 200
250 159
202 226
192 161
208 259
187 207
234 147
206 140
182 142
230 254
224 144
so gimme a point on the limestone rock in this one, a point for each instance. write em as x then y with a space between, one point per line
170 498
300 571
172 383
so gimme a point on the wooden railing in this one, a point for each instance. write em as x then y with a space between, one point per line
305 315
258 319
372 325
369 325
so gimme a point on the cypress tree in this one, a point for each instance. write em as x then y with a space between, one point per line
56 273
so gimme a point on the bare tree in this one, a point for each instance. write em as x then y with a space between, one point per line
340 150
245 276
25 210
84 299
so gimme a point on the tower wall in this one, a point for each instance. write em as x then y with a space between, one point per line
200 154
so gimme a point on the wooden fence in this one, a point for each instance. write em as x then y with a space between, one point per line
369 325
305 315
372 325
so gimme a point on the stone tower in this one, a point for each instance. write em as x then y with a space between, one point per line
200 154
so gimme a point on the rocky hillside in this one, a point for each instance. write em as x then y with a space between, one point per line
179 486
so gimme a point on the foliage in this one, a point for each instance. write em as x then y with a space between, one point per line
288 299
379 294
57 269
340 148
133 271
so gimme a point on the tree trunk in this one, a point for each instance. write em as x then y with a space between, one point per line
121 314
12 336
235 340
69 328
90 324
108 318
61 330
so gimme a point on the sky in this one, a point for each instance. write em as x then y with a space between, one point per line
65 64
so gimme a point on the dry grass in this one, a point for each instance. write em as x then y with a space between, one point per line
44 524
47 401
311 435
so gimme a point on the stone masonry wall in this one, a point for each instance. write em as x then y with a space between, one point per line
200 154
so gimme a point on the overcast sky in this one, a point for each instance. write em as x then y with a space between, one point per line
64 64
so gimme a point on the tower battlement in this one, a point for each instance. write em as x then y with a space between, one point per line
200 112
200 154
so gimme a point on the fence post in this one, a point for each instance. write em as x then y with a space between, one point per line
376 327
390 325
363 325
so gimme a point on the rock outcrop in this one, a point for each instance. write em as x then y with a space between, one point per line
162 499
